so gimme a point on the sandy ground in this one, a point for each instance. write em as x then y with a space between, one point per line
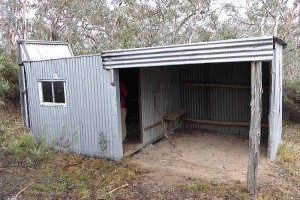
206 156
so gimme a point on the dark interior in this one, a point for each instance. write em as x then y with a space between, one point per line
130 77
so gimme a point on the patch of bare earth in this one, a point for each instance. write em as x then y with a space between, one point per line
203 157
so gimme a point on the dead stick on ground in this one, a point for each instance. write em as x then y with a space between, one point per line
71 165
117 188
23 190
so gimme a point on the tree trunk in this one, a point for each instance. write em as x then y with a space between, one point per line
24 19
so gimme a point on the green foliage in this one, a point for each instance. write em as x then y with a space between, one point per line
291 100
102 141
9 85
3 136
14 148
4 87
200 186
27 149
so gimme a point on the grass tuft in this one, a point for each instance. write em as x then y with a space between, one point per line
289 152
26 149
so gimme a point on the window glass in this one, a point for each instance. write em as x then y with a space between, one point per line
59 93
47 92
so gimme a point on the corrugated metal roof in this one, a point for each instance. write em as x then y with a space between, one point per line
235 50
42 50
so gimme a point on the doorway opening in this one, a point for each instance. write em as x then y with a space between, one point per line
130 78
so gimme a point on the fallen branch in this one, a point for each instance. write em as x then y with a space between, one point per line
117 188
16 196
71 165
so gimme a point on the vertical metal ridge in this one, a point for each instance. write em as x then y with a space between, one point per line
221 104
88 96
167 98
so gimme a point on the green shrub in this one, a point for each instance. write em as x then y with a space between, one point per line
14 148
9 83
3 135
4 87
27 149
291 100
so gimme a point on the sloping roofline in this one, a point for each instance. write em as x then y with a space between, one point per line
233 50
275 39
41 42
40 50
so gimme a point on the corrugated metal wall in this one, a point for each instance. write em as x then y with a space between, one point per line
222 104
165 82
275 116
91 105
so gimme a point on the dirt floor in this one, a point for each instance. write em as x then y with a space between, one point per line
206 156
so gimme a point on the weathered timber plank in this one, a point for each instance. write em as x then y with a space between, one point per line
235 86
152 126
255 127
173 116
221 123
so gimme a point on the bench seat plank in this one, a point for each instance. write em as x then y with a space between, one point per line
173 116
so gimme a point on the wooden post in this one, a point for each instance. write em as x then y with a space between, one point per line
255 127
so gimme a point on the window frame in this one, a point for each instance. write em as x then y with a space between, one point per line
53 103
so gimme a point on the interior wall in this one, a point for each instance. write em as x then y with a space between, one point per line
219 103
163 84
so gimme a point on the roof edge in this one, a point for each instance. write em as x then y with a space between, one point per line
280 41
63 58
264 37
21 41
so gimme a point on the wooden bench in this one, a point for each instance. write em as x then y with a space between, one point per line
171 118
175 115
176 118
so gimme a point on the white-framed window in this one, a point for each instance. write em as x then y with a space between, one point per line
52 92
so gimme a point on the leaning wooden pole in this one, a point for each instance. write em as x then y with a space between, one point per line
255 127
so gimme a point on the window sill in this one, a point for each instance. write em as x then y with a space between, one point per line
54 104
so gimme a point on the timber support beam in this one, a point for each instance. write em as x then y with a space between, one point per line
255 127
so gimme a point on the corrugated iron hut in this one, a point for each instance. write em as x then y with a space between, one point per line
74 101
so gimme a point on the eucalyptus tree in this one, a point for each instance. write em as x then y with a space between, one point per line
11 23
